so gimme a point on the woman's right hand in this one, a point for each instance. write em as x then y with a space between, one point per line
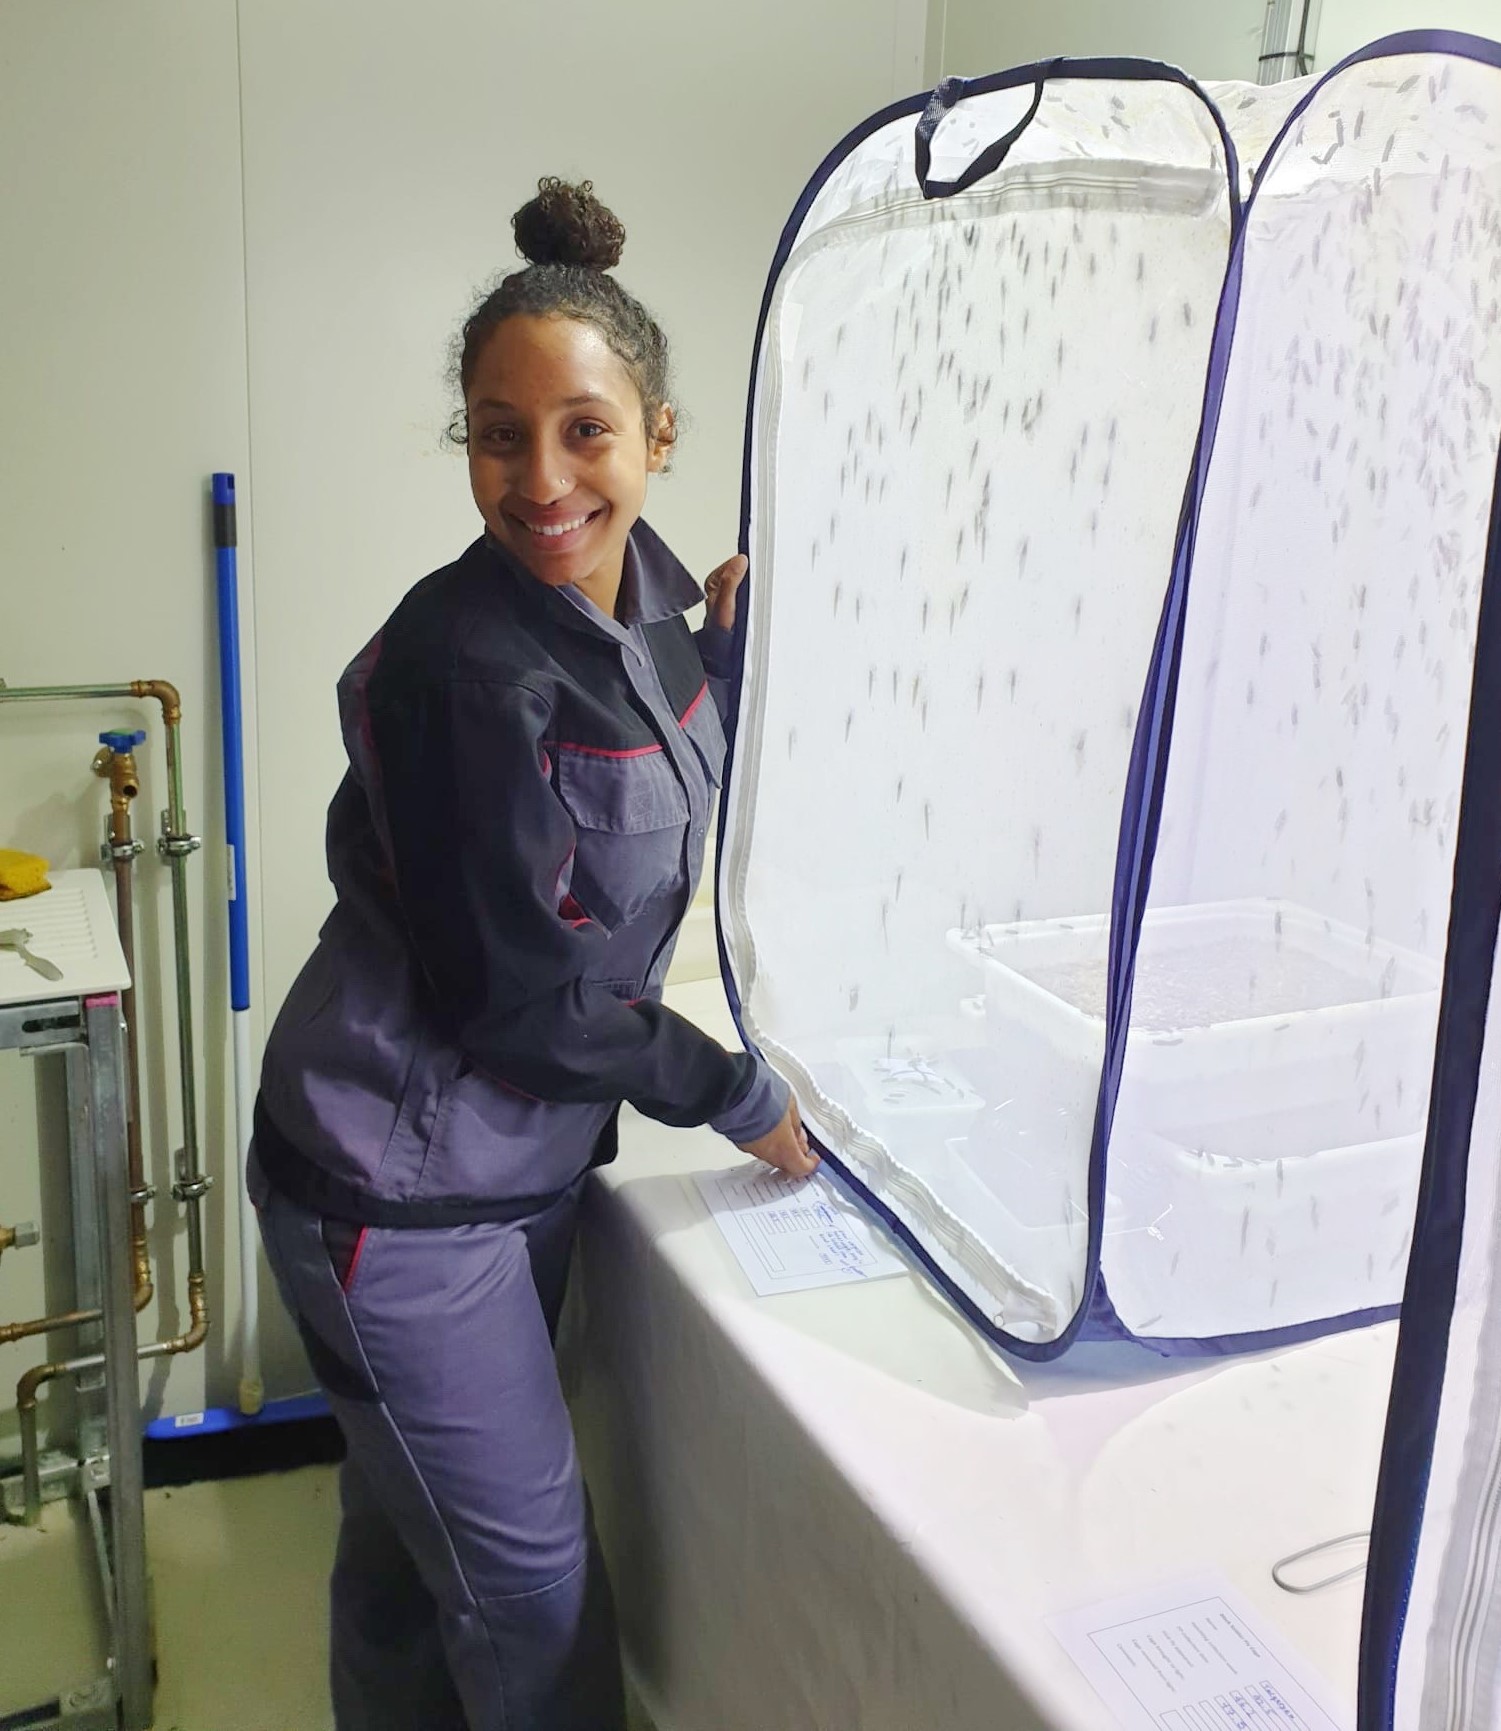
786 1147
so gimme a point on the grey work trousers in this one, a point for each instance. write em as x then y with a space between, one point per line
468 1592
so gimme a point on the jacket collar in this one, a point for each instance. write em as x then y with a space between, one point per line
654 586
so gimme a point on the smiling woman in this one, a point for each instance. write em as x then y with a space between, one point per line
559 451
532 766
564 477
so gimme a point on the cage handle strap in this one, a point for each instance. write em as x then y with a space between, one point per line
948 95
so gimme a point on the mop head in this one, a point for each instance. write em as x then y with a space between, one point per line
21 874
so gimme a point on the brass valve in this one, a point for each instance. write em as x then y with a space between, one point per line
19 1237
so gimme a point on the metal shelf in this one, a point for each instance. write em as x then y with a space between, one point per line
78 1017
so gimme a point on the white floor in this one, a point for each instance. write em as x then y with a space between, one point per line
238 1570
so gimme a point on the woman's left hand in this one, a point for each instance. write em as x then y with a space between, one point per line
720 590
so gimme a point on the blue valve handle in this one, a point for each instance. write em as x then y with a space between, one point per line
120 743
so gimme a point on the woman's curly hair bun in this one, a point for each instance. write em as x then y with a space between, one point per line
571 242
566 224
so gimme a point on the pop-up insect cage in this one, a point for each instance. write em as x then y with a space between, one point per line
1111 854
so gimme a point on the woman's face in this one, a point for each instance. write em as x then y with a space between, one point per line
558 452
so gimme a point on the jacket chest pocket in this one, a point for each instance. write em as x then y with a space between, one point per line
629 814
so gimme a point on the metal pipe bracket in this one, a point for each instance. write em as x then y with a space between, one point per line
192 1189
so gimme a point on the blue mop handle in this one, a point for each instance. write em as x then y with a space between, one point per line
226 557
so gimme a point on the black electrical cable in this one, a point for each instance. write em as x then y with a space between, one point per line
1300 56
1305 59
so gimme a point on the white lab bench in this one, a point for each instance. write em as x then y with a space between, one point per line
840 1510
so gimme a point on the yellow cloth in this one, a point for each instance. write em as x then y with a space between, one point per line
21 874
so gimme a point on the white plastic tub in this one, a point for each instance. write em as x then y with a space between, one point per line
1243 1012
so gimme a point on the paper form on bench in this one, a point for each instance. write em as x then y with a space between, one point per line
792 1233
1194 1656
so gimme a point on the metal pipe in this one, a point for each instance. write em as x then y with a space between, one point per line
67 693
122 850
13 1331
20 1237
174 844
102 1559
31 1467
35 1378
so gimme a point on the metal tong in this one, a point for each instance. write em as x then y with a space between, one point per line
17 939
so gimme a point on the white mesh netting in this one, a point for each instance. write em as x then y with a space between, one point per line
974 421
